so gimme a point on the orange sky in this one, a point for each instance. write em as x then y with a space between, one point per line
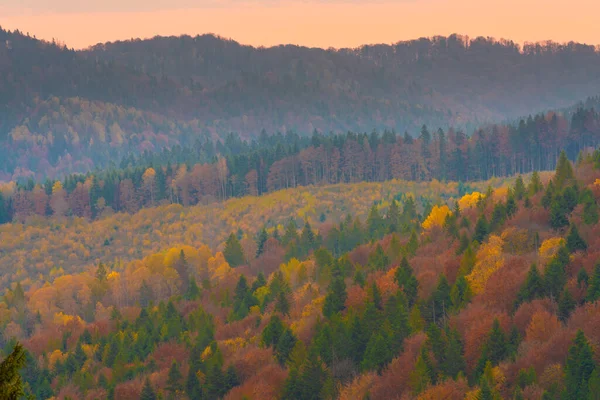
325 23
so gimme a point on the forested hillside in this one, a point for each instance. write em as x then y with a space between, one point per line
65 111
204 173
364 290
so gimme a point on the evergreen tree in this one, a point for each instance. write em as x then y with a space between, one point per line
574 241
336 294
461 293
593 292
262 239
413 244
291 233
564 174
375 223
282 305
376 353
233 252
423 375
533 287
594 385
454 361
11 383
582 277
566 305
147 391
284 346
407 281
519 190
307 238
535 185
555 276
174 379
481 229
393 217
378 259
578 369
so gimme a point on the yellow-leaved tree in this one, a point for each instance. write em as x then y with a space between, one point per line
469 200
489 260
436 217
549 248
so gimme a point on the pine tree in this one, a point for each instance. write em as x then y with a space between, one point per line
593 292
555 276
535 185
393 217
461 293
336 294
422 375
376 353
291 233
566 305
233 252
578 369
11 383
454 361
174 379
193 291
282 305
378 259
564 174
407 281
481 229
574 241
413 244
284 346
533 287
147 391
307 238
519 190
262 239
594 385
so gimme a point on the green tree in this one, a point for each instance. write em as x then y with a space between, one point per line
593 291
233 252
336 294
11 383
376 353
147 391
535 185
481 229
574 241
262 239
564 174
422 375
533 287
378 259
555 276
519 190
174 379
566 305
193 291
407 281
578 369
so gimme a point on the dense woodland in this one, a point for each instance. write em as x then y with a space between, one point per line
65 111
200 174
481 293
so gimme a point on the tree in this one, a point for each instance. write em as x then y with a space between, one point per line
233 252
336 294
282 304
564 174
578 369
566 305
555 276
535 185
193 291
593 292
376 353
422 375
574 241
147 391
174 379
11 383
481 229
519 190
533 287
407 281
262 239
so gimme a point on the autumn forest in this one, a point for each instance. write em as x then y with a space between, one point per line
427 239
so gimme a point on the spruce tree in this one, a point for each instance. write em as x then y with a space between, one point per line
574 241
566 305
533 287
593 291
519 190
233 252
336 294
147 391
260 243
578 369
481 229
564 174
11 383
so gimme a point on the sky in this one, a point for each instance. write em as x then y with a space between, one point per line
314 23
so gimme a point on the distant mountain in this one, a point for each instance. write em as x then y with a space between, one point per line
63 110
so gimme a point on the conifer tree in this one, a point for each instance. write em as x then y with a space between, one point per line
376 353
564 174
533 287
574 241
593 291
336 294
147 391
11 383
262 239
555 276
233 252
519 190
407 281
535 185
481 229
578 369
566 305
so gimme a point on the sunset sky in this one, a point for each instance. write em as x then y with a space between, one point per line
321 23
